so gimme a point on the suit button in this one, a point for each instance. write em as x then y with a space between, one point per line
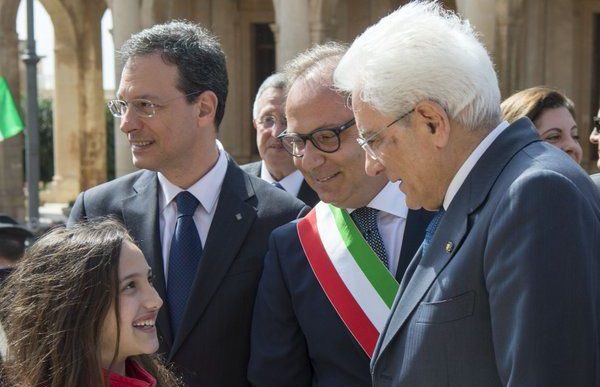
449 246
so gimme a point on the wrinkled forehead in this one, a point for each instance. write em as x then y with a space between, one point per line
147 76
309 107
272 97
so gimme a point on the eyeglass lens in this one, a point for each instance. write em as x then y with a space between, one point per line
142 107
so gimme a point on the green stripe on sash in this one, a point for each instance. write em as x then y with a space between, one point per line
378 275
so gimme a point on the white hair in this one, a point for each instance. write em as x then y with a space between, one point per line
423 52
276 81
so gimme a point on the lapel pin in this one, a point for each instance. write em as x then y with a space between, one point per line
449 247
238 216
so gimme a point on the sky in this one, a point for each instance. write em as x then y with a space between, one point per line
44 40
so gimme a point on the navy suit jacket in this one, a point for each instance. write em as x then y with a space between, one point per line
508 292
306 194
298 339
213 344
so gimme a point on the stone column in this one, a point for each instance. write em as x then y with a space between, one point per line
67 110
126 21
66 118
93 122
482 16
12 199
292 32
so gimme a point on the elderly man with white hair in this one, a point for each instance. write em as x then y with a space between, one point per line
505 292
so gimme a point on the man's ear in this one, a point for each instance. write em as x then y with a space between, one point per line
436 120
207 105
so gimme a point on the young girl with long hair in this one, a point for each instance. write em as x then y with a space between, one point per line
80 311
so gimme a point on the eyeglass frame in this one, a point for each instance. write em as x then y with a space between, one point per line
309 136
282 122
154 105
596 121
365 143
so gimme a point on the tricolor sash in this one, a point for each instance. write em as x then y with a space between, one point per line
356 282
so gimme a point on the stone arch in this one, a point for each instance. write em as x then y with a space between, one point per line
79 123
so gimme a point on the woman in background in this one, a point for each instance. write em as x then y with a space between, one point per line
80 311
553 114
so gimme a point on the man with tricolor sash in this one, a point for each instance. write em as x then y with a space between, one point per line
329 279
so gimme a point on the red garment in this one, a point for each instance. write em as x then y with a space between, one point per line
136 377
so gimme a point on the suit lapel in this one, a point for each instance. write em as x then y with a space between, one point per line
140 215
453 226
308 195
232 220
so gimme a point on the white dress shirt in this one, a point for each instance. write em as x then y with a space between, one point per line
206 190
291 183
470 162
391 220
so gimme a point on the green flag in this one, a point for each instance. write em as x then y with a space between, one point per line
10 121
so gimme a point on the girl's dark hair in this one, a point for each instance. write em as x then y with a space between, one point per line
55 303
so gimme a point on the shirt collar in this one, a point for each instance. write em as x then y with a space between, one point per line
206 190
389 200
470 162
291 183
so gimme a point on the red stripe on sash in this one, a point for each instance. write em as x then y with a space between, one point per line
340 297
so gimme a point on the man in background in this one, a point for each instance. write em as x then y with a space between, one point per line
276 166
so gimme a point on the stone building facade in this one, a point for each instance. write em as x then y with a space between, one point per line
553 42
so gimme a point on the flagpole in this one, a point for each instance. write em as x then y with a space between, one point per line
32 146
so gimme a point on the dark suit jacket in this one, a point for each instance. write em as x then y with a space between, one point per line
298 339
508 293
596 179
306 194
213 344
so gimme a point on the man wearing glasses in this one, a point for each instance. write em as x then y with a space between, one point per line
507 292
327 285
276 166
201 222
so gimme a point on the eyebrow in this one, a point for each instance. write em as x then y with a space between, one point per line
133 275
143 96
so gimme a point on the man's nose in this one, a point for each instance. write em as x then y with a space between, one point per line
312 157
129 120
373 167
594 136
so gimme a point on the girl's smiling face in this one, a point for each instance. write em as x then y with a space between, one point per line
138 307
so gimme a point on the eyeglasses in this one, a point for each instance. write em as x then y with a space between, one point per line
365 143
142 107
596 121
270 121
326 139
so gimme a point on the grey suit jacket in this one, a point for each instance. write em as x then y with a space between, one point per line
306 194
508 293
596 179
212 345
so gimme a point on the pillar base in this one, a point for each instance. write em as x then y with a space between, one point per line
60 190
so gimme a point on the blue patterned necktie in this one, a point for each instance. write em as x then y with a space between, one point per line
366 221
276 184
430 231
186 249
